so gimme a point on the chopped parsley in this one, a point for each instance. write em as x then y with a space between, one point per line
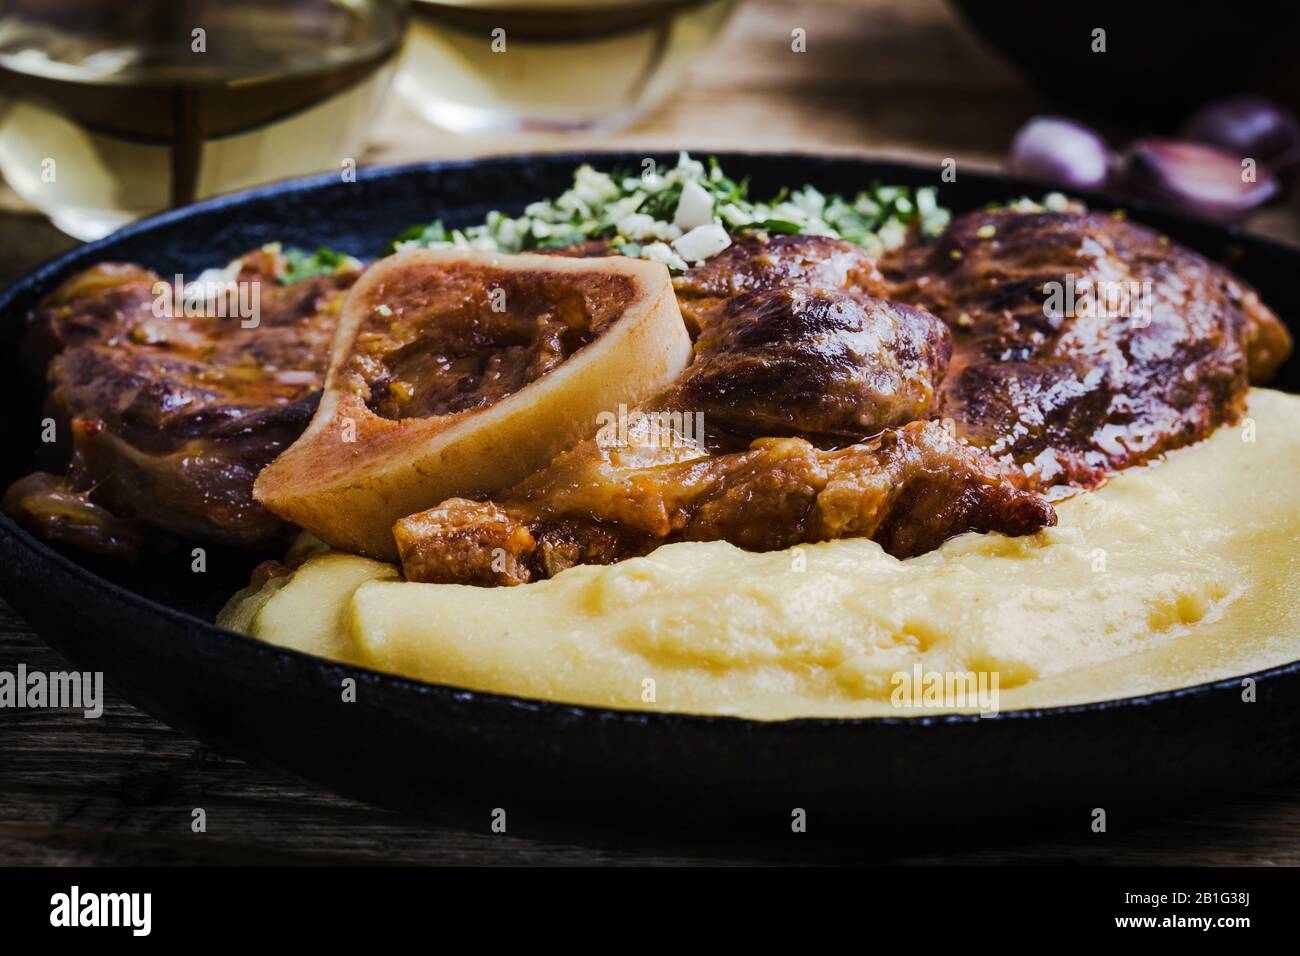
687 214
306 265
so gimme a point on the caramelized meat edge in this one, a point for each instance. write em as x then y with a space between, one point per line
910 489
164 420
825 365
819 366
819 398
1147 347
1082 343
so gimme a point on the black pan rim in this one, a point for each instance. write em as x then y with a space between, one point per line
77 257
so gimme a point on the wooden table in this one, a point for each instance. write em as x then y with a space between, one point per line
888 78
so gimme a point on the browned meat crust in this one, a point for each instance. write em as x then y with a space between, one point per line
832 367
1068 393
167 420
756 263
170 420
1070 389
788 360
910 489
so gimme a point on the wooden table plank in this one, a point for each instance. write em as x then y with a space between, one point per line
880 77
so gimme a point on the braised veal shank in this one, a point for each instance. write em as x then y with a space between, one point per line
957 385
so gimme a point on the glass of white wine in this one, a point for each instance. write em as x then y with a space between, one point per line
114 109
550 64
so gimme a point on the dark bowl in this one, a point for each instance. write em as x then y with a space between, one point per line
457 754
1163 57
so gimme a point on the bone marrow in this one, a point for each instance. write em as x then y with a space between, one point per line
457 373
459 335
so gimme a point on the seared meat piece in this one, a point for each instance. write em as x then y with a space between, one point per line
796 360
48 507
910 489
459 372
828 366
754 263
915 487
758 262
1156 350
1079 344
167 419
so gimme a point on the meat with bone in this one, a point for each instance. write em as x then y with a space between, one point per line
1071 390
171 421
794 360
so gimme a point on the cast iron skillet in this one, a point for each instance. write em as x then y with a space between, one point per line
459 754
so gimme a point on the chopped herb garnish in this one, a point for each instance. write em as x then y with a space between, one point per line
421 235
783 226
307 265
649 215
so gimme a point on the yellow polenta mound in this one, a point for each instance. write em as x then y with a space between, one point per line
1170 575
